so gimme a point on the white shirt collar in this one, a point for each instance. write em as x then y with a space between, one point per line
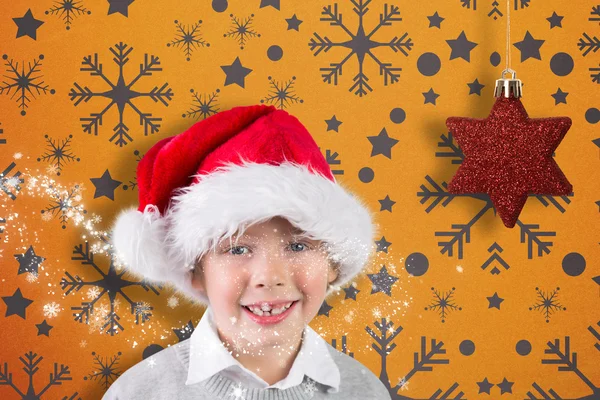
208 356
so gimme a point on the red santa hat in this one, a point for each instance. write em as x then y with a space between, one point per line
235 168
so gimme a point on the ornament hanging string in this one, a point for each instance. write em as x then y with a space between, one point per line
507 37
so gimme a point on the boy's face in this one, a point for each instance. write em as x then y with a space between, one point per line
267 263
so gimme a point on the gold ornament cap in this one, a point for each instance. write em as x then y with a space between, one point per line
508 87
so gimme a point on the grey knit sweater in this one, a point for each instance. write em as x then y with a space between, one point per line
166 380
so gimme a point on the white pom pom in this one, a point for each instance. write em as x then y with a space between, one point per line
138 240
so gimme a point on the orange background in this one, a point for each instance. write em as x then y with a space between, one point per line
148 28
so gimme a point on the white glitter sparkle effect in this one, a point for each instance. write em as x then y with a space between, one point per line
51 310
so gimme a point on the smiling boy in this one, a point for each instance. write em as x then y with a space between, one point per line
262 234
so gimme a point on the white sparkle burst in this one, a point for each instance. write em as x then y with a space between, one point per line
93 292
151 362
309 387
31 277
51 310
376 312
403 383
238 392
173 302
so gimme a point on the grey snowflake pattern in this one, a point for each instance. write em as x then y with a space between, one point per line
68 9
110 284
24 82
547 303
443 302
282 94
64 204
362 45
105 370
31 363
188 38
203 106
241 30
58 154
121 94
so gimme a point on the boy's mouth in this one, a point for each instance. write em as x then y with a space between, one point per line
272 316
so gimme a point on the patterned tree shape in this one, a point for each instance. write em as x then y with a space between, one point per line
112 284
567 362
30 363
423 360
121 94
362 45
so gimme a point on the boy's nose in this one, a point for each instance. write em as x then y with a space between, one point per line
271 271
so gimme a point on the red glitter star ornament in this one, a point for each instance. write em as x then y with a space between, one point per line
509 155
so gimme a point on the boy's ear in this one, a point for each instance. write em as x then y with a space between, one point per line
333 272
198 280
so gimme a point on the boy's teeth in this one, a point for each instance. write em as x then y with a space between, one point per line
266 311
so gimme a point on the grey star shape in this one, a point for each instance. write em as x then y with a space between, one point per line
235 73
333 124
324 310
44 328
382 281
475 87
382 244
430 96
485 386
351 292
505 386
185 332
29 262
555 20
272 3
529 47
386 204
495 301
461 47
560 97
382 144
435 20
120 6
16 304
105 185
27 25
293 23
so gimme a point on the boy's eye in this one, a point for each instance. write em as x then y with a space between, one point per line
302 246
